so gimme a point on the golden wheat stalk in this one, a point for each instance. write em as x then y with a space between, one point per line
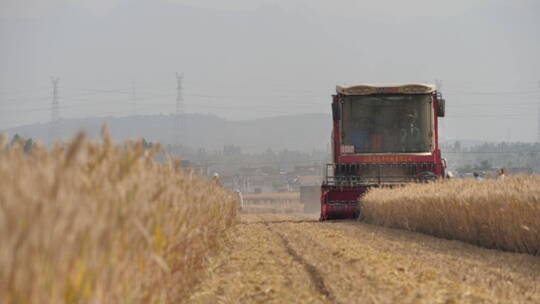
501 214
102 223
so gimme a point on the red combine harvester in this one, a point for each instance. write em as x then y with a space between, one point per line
383 136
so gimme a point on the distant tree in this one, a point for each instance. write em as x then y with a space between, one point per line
146 144
485 165
17 138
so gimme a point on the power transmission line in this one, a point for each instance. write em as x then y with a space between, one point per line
24 91
244 102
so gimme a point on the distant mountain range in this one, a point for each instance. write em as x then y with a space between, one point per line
299 132
305 133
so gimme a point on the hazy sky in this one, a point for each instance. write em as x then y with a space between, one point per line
255 58
396 8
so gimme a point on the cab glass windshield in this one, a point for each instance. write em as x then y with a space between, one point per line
387 124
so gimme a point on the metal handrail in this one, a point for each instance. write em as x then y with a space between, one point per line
375 174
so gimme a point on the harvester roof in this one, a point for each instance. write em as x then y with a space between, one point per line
369 89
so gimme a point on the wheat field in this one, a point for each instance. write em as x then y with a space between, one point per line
104 223
501 214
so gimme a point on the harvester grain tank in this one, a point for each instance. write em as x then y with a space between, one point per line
383 136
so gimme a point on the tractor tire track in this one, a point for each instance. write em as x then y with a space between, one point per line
256 267
316 277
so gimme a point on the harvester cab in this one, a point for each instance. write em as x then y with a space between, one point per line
383 136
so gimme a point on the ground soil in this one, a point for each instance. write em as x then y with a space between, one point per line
284 258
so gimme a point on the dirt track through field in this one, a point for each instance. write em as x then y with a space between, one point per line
316 278
296 259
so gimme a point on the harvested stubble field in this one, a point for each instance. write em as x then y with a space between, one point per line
102 223
288 202
502 214
278 258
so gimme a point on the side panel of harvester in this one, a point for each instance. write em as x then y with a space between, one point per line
356 169
340 203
